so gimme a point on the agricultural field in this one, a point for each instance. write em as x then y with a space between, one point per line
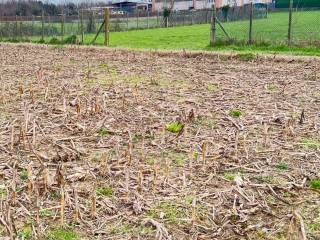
121 144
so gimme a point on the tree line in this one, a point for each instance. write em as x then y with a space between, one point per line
33 7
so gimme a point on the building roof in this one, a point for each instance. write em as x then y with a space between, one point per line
132 1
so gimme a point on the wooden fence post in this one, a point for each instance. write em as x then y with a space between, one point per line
106 27
290 23
81 26
62 26
42 25
213 26
250 23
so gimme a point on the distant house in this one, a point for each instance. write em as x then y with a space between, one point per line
239 3
178 5
131 5
158 5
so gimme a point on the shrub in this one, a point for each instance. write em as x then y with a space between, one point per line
71 40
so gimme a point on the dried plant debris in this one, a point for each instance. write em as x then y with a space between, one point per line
115 144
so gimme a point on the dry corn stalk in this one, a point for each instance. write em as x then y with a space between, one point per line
130 147
127 176
76 206
94 203
62 205
140 180
14 192
30 179
12 137
204 152
194 210
34 136
37 207
45 175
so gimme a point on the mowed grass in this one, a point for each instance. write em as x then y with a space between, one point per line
270 34
273 29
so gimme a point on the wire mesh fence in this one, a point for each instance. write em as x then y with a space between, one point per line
269 25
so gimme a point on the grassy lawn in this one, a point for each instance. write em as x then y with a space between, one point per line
273 30
270 35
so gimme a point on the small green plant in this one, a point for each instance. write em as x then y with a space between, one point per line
62 234
315 183
46 213
54 194
195 155
150 160
171 210
229 176
179 160
25 233
282 166
95 157
3 192
24 175
174 127
315 226
311 143
103 132
236 113
105 191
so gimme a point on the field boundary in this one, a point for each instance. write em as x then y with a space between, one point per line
210 54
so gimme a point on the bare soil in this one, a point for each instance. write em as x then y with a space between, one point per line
85 145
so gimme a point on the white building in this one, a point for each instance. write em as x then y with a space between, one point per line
158 5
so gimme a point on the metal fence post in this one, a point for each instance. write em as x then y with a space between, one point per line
127 14
20 28
106 27
250 26
158 18
62 26
191 17
148 16
290 23
16 28
213 26
137 13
